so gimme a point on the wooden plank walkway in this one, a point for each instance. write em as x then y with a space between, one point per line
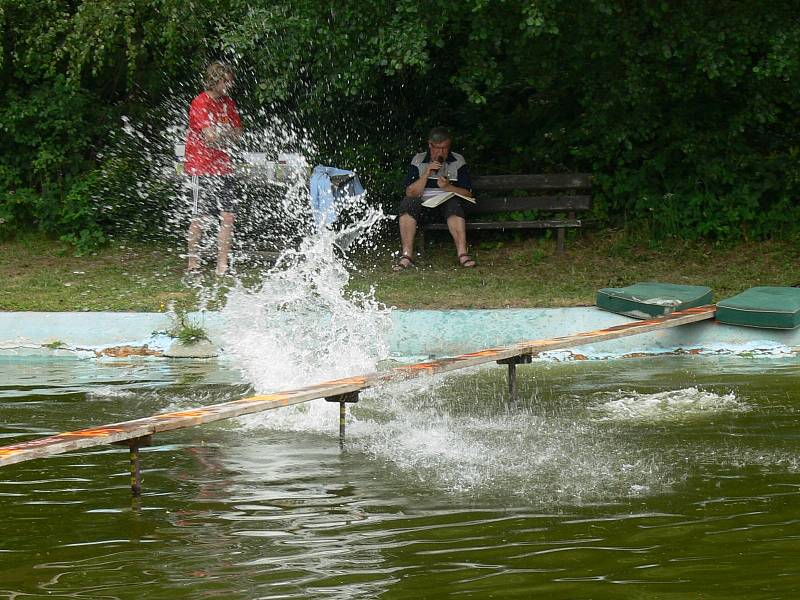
142 428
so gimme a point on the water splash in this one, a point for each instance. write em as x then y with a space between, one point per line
295 324
670 405
454 432
287 324
141 188
299 325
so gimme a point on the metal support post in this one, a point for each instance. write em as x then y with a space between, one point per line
512 363
342 399
512 381
136 466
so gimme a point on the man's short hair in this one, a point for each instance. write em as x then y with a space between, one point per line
439 135
216 72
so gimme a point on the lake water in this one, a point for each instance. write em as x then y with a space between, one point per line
661 477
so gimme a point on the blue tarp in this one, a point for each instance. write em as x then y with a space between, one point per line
331 188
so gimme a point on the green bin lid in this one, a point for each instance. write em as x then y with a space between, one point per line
647 300
773 307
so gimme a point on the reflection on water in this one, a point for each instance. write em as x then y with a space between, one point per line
675 476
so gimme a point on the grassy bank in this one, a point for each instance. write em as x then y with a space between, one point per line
528 273
36 274
40 274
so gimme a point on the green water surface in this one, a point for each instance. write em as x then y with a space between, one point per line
674 477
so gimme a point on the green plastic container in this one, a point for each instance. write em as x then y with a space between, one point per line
772 307
647 300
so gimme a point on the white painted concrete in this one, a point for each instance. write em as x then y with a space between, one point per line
416 333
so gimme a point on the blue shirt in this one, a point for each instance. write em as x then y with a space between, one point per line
327 198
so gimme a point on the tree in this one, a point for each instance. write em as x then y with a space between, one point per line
685 112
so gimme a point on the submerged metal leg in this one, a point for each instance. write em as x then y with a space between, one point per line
136 472
512 382
512 363
342 415
136 464
343 399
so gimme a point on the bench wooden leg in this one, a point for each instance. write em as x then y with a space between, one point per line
571 216
560 241
421 242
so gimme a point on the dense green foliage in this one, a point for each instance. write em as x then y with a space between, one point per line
685 112
69 71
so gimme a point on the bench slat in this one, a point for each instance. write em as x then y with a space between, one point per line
554 203
556 181
546 224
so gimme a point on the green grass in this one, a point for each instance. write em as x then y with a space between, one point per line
528 273
187 331
35 274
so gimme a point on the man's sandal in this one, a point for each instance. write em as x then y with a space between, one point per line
403 263
465 260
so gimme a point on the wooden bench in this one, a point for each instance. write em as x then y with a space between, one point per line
562 193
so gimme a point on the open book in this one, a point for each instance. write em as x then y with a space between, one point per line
438 199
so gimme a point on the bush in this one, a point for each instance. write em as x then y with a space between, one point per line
685 112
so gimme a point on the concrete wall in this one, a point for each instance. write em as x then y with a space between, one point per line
416 333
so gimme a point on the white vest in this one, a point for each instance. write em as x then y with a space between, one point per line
449 169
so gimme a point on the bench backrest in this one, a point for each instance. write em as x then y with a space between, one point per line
559 192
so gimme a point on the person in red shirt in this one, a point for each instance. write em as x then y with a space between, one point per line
214 128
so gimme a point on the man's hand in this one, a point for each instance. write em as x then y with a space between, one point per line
443 182
221 136
432 168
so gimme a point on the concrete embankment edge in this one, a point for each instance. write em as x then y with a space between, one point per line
415 333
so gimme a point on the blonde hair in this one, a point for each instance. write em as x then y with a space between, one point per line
216 72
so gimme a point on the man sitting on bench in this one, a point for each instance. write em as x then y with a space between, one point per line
429 174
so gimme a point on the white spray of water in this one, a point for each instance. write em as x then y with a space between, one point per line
299 325
140 176
670 405
450 432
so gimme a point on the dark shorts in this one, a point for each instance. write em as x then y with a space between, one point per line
423 214
212 194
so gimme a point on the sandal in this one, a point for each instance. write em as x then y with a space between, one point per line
465 260
403 263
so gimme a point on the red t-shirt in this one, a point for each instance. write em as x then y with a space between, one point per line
207 112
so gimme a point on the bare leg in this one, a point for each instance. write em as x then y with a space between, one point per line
458 229
408 229
193 240
224 242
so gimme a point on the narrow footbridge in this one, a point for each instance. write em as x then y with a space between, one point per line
139 432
